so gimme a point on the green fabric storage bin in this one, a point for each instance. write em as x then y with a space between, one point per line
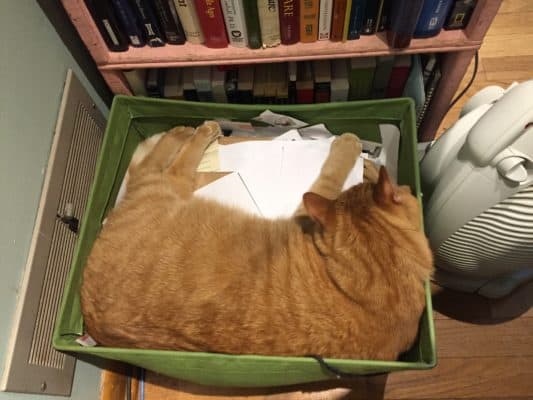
133 119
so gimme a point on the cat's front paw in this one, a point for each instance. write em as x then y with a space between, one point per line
347 144
210 130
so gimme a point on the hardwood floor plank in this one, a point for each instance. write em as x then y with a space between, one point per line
506 339
514 6
465 378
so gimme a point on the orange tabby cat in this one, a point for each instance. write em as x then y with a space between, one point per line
343 278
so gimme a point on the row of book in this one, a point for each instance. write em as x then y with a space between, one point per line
268 23
303 82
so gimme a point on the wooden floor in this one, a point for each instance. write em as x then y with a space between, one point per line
485 348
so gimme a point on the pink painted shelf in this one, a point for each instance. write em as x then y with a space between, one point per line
194 54
459 46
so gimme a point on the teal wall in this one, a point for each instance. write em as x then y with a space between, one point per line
33 66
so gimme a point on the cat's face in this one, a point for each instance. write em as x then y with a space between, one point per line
382 203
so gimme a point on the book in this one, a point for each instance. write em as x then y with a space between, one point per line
231 85
414 87
292 72
189 90
360 76
129 22
212 23
202 82
269 22
289 21
340 86
270 84
322 80
430 90
136 80
324 19
459 14
369 20
309 20
173 86
155 82
170 23
251 16
432 18
384 65
245 85
235 22
337 20
189 20
218 82
346 20
260 73
398 76
282 83
152 33
357 14
383 15
107 23
304 83
403 18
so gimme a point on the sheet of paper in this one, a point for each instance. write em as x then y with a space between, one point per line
278 173
293 134
231 191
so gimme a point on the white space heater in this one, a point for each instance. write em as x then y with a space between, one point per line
477 181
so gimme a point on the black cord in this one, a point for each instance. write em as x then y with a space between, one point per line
476 63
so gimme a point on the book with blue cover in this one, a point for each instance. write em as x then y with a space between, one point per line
357 13
129 21
148 20
432 18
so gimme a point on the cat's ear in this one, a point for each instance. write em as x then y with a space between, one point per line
385 192
318 208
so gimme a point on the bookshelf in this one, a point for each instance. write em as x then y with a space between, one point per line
457 48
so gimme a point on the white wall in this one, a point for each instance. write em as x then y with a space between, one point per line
33 65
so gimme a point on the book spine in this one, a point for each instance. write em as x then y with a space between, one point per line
346 20
107 24
369 21
153 35
460 14
289 21
136 80
292 75
403 18
189 20
251 15
432 18
324 19
155 82
356 19
383 15
212 23
169 22
398 78
129 21
309 20
235 22
269 22
337 21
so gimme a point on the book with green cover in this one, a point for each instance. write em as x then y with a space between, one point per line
361 76
384 65
251 15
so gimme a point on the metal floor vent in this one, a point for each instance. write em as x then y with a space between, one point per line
32 365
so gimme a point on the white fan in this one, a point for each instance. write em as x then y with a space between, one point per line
477 181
